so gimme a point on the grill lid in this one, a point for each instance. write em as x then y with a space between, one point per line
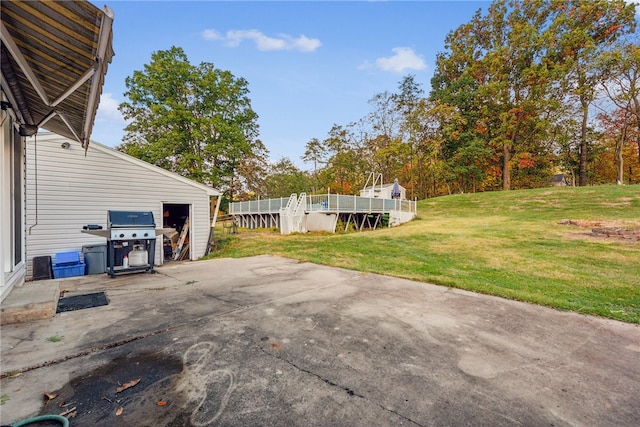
121 219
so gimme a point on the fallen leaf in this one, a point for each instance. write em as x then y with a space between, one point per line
49 397
163 403
72 415
119 411
127 385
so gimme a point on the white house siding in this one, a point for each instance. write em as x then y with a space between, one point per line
74 189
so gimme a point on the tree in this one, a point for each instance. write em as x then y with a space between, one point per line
584 31
379 137
515 64
623 89
497 61
316 153
251 174
618 142
409 103
565 146
345 162
284 179
196 121
463 133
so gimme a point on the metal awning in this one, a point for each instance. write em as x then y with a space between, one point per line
54 59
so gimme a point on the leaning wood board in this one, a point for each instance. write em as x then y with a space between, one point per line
183 236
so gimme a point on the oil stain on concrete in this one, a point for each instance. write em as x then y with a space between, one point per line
179 392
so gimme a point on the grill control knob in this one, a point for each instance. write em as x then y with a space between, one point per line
134 235
146 234
121 234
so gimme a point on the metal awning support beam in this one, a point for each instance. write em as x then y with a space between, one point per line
48 117
86 76
94 96
22 63
54 113
66 122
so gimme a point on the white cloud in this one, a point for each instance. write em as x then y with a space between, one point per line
108 110
263 42
306 44
404 59
211 35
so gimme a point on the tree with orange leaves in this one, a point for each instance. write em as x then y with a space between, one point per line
623 89
585 32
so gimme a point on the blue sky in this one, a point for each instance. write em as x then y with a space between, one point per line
309 65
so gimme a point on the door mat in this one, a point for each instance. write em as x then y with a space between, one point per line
79 302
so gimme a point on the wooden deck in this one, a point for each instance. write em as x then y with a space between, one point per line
291 214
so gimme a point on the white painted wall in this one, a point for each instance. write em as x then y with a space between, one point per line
319 221
74 190
400 217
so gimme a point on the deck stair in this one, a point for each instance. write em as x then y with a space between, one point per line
292 216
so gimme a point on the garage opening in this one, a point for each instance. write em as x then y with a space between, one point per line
176 246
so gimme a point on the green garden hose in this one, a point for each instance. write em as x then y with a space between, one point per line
59 418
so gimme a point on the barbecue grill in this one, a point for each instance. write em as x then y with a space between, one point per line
131 241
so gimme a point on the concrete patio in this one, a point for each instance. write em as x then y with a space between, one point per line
271 341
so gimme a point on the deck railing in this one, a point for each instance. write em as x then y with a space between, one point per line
357 204
265 206
325 203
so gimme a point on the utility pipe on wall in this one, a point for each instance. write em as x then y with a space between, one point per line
35 162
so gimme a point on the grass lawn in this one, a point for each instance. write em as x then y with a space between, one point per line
511 244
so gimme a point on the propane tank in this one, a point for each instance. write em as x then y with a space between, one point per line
138 256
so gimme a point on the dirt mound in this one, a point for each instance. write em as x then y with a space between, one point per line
626 230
